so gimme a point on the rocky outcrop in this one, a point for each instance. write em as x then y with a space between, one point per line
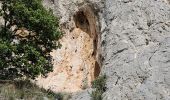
128 39
136 49
76 63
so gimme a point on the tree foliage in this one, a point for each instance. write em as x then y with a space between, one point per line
27 36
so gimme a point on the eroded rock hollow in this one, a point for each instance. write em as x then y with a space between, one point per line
76 64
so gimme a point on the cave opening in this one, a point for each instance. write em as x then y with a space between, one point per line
81 21
86 20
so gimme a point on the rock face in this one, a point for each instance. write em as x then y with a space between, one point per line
131 40
76 63
136 47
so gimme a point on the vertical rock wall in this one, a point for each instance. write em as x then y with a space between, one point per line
136 49
135 42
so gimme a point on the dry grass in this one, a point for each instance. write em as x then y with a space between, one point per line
24 90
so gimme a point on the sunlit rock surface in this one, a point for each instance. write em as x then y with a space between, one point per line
76 63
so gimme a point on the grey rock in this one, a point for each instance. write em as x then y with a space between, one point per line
84 95
136 51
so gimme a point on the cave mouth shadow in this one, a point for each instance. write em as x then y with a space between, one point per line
81 21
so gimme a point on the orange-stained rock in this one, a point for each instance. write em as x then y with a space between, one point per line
73 64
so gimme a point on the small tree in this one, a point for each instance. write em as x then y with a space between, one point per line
28 35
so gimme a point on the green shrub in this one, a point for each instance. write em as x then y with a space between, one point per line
99 86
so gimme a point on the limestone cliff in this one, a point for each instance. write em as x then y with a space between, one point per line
128 40
76 63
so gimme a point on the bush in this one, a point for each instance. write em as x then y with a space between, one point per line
100 87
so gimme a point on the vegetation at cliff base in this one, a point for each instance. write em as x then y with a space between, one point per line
24 90
99 86
28 34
